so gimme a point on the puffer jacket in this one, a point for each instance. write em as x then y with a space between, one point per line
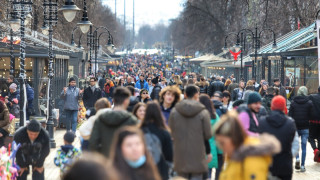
215 86
301 111
203 87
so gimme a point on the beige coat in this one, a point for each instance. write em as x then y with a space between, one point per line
190 125
5 119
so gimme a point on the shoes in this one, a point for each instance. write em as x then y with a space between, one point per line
297 166
303 169
316 153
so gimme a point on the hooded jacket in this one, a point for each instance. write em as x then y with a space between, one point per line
301 110
65 156
251 160
283 128
104 128
190 125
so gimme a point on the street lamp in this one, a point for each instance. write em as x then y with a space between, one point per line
85 24
69 10
14 22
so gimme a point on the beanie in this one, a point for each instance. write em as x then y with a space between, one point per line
34 126
72 79
154 81
254 97
69 137
13 86
278 103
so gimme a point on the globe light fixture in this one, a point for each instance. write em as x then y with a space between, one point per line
69 10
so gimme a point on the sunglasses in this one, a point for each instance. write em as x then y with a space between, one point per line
144 93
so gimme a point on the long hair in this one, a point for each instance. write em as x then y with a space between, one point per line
228 82
153 115
173 89
205 100
136 107
146 171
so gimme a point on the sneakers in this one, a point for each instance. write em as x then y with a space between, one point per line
297 166
303 169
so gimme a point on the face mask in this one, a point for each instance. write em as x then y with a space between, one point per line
138 163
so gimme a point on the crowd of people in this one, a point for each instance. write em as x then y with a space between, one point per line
143 125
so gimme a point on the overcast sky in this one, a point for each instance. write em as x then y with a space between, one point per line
146 11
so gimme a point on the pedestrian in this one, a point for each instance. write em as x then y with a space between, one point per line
130 156
217 154
139 111
238 93
217 85
133 99
142 83
226 84
108 122
163 83
301 110
203 85
12 101
91 94
71 96
284 129
277 83
12 80
129 82
144 96
157 138
263 89
232 86
314 125
102 82
85 129
156 89
4 122
226 100
169 97
108 89
189 116
255 84
67 153
30 97
91 166
33 151
217 100
246 157
266 101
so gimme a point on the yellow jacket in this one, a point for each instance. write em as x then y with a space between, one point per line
252 160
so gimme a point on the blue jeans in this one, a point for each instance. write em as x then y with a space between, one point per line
304 133
71 119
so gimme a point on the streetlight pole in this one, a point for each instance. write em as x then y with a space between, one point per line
12 59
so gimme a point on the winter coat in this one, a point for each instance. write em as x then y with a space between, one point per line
4 121
266 102
90 98
144 85
32 153
108 90
251 160
144 101
218 105
283 128
215 86
315 98
101 83
104 128
30 96
65 156
301 111
203 87
235 94
133 101
166 145
155 92
166 112
247 119
282 91
71 98
13 107
190 125
232 86
213 146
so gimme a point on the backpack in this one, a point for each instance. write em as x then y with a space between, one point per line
153 145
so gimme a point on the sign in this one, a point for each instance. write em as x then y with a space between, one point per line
318 40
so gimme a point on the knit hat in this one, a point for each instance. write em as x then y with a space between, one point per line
154 81
278 103
254 97
302 91
13 86
69 137
72 79
34 126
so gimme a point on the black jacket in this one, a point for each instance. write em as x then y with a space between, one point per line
133 101
266 102
90 98
300 110
282 91
166 145
234 94
101 83
283 128
315 98
215 86
155 92
32 154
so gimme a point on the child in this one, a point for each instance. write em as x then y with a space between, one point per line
67 154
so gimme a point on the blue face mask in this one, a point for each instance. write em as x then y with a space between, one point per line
138 163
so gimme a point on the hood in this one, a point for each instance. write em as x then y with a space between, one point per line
276 118
67 148
301 99
189 108
217 103
265 145
114 118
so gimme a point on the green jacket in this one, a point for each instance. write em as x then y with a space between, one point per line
213 146
104 128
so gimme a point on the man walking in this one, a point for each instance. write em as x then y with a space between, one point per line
142 83
217 85
266 101
190 125
314 125
277 83
91 94
232 86
71 96
284 129
108 122
156 89
238 93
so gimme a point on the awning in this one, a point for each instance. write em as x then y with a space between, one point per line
207 57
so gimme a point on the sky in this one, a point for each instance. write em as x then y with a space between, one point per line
146 11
